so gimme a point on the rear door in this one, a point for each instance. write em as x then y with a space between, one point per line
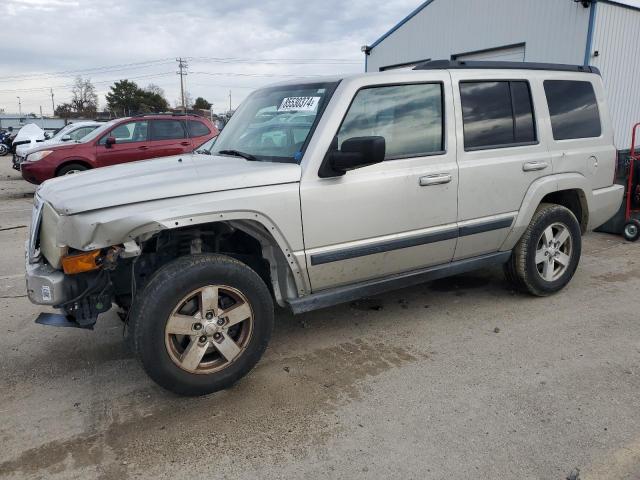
500 153
131 144
168 137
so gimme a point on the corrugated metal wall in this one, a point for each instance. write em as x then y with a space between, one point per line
552 30
616 38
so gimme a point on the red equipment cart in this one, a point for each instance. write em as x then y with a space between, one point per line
631 229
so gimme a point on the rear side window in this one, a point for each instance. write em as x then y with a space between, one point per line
497 114
409 117
166 130
197 129
573 109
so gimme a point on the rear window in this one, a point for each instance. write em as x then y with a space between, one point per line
497 114
167 130
197 129
573 109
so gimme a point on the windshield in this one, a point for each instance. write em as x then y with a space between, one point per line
100 130
273 124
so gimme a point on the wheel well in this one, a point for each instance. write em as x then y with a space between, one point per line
69 162
575 201
244 241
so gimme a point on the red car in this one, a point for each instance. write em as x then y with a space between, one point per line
119 141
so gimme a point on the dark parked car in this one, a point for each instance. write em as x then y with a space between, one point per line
120 141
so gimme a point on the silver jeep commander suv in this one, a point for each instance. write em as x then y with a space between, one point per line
324 191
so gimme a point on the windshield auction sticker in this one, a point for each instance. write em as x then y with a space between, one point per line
299 104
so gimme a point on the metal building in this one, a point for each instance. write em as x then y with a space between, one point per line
603 33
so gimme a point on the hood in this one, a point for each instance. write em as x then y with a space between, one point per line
159 178
30 132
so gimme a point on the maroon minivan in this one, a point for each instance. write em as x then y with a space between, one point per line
119 141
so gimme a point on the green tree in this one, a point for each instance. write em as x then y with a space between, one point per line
126 98
64 110
201 103
123 98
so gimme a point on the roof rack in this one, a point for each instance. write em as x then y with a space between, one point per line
462 64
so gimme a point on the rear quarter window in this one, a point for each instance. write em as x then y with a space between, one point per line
197 129
573 109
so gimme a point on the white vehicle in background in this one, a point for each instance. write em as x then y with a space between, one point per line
69 133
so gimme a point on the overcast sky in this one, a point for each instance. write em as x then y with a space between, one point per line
140 39
44 36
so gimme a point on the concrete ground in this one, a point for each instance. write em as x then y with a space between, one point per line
458 379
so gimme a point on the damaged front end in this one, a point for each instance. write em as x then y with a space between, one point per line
77 283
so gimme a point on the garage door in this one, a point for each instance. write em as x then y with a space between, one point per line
504 54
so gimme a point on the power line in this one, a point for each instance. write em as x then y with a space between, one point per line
88 70
165 61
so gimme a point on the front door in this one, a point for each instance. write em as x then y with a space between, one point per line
131 144
394 216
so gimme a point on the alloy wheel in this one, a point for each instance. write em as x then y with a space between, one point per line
553 251
208 329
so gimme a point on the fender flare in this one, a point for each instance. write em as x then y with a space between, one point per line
536 192
288 277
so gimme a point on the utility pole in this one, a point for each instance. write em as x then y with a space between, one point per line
53 105
229 100
182 71
41 117
19 107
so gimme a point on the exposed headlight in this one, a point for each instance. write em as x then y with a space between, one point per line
35 156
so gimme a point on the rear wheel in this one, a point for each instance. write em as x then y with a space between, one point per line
201 323
3 149
548 253
631 230
71 169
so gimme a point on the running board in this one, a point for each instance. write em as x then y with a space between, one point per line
348 293
59 320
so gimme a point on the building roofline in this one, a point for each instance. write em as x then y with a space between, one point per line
620 4
426 3
402 22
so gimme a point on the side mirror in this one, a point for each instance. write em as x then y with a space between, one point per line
110 141
354 153
66 138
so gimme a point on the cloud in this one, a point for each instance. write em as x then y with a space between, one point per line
56 35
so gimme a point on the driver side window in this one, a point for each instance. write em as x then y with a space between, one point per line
409 117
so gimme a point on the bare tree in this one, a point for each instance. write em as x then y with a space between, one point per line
155 89
84 100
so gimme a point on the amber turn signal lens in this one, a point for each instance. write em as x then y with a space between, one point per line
82 262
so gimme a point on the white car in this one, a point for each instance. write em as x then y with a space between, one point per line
72 132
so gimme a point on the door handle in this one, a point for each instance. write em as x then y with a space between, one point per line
437 179
533 166
185 143
143 147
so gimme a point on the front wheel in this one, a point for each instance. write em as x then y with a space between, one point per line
548 253
631 230
71 169
201 323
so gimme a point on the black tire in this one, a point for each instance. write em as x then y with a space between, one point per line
71 168
631 230
152 307
522 270
3 150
